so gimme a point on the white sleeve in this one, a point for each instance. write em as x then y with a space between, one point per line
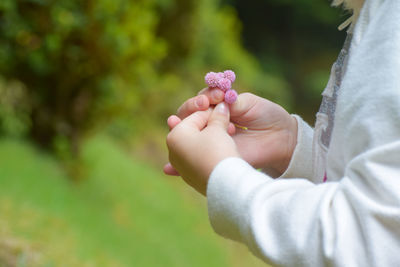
355 220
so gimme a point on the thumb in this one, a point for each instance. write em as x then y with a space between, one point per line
220 116
243 104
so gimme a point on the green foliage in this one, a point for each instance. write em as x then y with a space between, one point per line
219 46
14 108
126 214
78 61
297 41
118 63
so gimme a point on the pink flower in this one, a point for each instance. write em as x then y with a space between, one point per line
230 75
221 75
224 84
212 79
223 81
230 96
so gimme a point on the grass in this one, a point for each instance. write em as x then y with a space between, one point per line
124 213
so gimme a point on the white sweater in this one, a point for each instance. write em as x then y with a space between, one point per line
352 219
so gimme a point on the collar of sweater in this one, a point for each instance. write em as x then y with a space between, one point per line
354 6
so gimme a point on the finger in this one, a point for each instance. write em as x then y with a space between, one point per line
173 121
192 105
231 129
220 116
197 120
170 170
214 95
243 104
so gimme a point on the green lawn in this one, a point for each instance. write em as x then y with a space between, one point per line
124 213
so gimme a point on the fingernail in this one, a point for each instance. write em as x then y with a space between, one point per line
199 102
216 95
222 108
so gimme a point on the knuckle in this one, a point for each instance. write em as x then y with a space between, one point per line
247 94
180 109
203 91
170 139
173 138
249 97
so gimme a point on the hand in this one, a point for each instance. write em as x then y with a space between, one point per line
270 139
271 134
198 143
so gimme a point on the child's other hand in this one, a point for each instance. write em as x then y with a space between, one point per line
198 143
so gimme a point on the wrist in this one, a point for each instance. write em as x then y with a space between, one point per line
292 142
288 140
220 156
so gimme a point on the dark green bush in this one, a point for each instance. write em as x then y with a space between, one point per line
83 65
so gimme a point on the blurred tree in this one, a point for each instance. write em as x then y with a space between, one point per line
206 35
297 39
78 60
116 62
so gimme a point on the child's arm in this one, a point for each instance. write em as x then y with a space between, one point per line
354 220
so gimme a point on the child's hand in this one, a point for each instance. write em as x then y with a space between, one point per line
198 143
270 139
271 134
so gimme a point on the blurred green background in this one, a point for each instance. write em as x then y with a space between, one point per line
85 91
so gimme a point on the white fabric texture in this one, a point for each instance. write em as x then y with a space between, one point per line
354 218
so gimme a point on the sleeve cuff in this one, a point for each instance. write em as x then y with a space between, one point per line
301 163
230 183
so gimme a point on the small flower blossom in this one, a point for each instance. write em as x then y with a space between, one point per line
224 84
230 96
223 81
221 75
212 79
230 75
